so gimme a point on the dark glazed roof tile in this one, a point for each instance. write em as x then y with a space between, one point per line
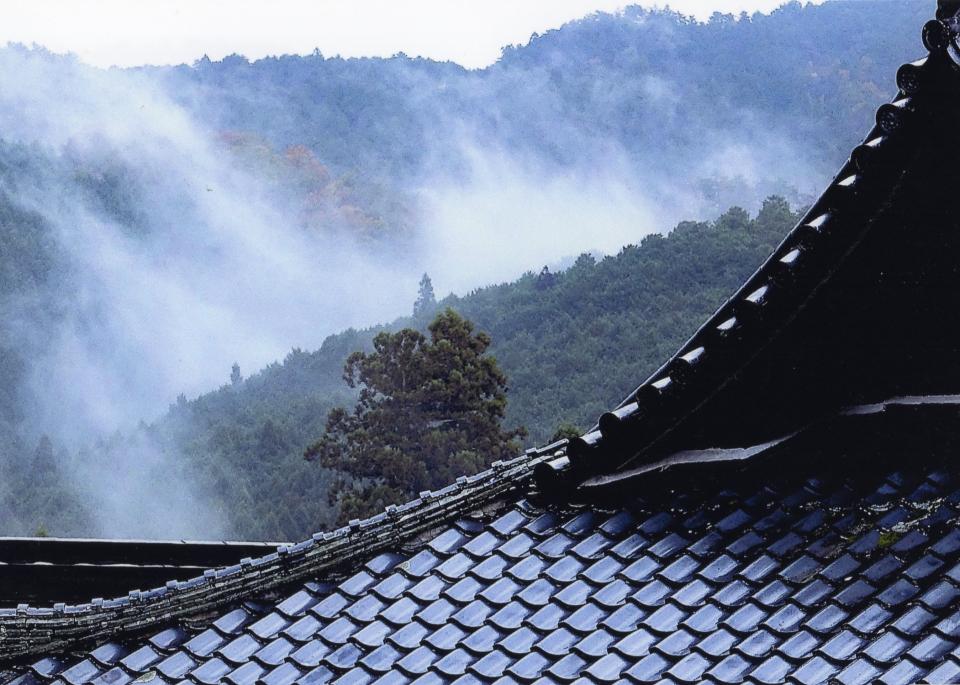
447 542
364 609
457 565
665 619
210 672
330 605
490 568
319 675
248 674
455 662
902 673
420 564
733 594
652 594
176 665
692 594
719 569
854 593
482 640
339 631
568 668
758 644
869 619
619 524
624 619
464 590
773 594
785 620
520 641
596 644
772 670
296 604
745 619
799 645
269 625
704 620
80 672
239 649
886 648
842 646
437 612
409 636
913 621
418 661
392 586
586 618
357 584
898 593
815 671
800 570
558 642
931 649
636 644
629 547
201 645
666 547
565 570
446 638
472 615
492 665
718 643
731 670
511 616
233 622
274 652
382 659
138 661
530 666
547 618
355 676
940 595
947 672
310 654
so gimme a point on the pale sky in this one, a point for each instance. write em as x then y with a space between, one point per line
471 32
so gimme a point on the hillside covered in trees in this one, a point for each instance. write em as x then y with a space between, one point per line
164 223
570 343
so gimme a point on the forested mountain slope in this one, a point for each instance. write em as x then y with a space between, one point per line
571 343
161 223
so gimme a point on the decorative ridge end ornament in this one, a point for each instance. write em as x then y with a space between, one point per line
853 236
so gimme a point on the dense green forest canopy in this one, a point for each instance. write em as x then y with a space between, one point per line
286 173
570 343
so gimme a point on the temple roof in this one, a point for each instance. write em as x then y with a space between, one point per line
777 502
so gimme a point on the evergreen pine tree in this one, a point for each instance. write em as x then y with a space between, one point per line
426 300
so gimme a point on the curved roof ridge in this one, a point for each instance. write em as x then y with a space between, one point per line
783 284
27 630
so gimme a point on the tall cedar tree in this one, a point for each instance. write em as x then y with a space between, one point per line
428 412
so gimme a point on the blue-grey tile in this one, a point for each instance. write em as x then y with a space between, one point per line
842 646
310 654
511 616
492 665
520 641
607 669
636 644
886 648
339 631
274 651
446 638
382 659
410 635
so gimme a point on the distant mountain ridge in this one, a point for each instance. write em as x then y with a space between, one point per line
692 117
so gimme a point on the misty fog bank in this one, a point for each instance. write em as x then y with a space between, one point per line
164 223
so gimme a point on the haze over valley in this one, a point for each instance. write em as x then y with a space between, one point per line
163 224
